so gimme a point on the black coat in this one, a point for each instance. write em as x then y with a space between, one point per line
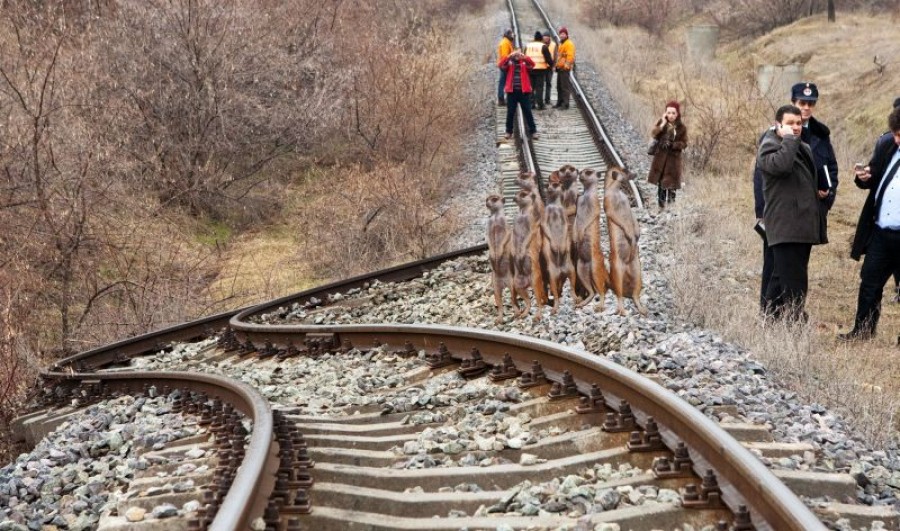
792 212
818 136
884 151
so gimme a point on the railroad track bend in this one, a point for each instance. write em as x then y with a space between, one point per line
414 426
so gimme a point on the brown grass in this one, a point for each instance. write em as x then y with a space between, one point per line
716 208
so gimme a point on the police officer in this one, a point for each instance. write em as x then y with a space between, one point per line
540 54
818 136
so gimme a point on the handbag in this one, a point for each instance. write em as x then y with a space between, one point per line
653 147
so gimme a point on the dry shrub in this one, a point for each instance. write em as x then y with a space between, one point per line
391 214
652 15
724 108
211 94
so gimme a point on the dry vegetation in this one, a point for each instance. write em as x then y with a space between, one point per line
148 147
726 113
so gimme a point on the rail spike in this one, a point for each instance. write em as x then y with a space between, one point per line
441 358
533 378
648 440
505 371
564 389
707 496
592 403
474 366
680 466
620 421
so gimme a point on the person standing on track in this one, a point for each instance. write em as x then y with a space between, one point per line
538 52
551 46
565 62
504 48
518 91
671 138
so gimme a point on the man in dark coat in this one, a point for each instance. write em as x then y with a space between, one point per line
878 231
815 133
791 215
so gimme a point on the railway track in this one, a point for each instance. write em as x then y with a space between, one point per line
298 426
572 136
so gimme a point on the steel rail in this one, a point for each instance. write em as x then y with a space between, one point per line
744 479
596 127
249 493
122 351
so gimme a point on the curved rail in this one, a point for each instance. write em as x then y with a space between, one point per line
249 493
601 138
744 479
122 351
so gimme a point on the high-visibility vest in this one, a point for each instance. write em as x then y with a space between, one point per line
504 48
566 59
552 47
535 51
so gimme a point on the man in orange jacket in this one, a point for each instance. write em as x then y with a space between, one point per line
565 62
504 48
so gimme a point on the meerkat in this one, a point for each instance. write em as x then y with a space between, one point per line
553 177
499 240
526 253
567 175
528 181
556 246
624 232
589 265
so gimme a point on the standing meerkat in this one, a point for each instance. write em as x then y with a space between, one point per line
528 181
567 175
589 264
526 253
624 232
499 240
557 244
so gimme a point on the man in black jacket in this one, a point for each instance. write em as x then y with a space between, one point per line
878 231
817 135
792 215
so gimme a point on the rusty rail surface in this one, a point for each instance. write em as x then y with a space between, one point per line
249 493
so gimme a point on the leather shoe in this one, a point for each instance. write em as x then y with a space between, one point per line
853 336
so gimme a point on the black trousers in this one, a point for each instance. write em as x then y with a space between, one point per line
766 277
563 87
664 196
548 84
882 260
538 85
513 99
790 280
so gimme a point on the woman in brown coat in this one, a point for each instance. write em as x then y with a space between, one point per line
665 170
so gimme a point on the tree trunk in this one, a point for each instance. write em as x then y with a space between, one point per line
830 10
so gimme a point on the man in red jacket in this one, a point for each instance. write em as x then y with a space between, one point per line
518 91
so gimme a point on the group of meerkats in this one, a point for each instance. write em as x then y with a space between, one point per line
560 239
